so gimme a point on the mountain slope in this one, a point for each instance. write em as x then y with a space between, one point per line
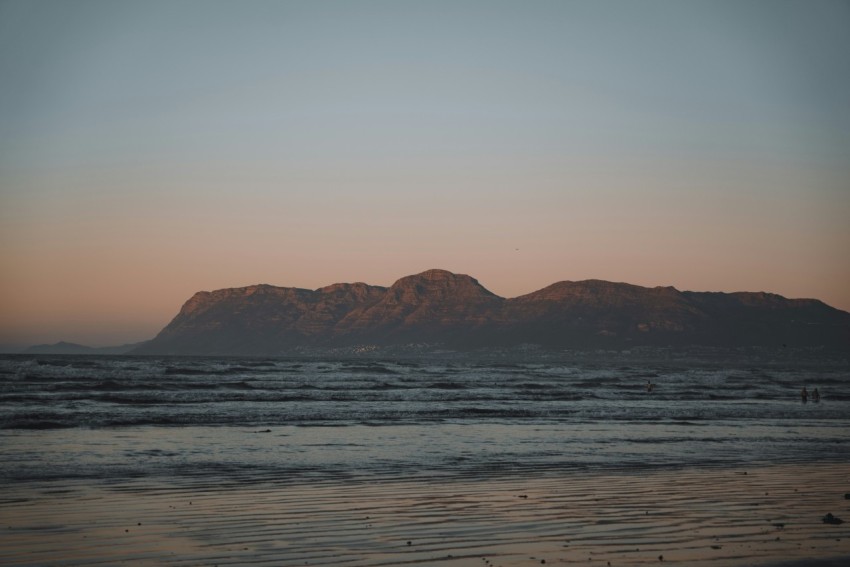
585 312
435 305
259 319
454 310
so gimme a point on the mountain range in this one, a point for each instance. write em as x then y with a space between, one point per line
455 311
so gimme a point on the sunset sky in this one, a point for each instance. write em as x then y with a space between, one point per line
151 149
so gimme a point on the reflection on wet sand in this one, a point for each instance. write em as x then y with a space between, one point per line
718 517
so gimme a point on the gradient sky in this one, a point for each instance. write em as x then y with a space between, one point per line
152 149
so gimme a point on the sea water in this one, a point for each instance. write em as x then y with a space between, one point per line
449 415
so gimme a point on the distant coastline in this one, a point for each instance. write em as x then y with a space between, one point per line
63 347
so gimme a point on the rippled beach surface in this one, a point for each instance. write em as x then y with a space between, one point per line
516 458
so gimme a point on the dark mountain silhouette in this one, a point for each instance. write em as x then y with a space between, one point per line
455 311
63 347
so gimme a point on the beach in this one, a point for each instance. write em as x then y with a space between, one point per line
456 461
760 515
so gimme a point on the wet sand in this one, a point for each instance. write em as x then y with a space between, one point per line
719 517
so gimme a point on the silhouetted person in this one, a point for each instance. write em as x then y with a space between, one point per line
815 395
804 395
649 386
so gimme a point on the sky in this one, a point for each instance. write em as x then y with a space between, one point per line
149 150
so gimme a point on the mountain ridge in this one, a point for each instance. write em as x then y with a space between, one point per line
454 310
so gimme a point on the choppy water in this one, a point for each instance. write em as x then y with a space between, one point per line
127 417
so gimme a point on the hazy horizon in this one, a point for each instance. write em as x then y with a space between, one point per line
149 150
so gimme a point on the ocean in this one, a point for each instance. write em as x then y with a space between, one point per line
98 416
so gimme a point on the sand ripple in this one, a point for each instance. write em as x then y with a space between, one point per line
711 517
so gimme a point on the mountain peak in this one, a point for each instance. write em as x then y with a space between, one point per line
438 274
436 282
434 300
